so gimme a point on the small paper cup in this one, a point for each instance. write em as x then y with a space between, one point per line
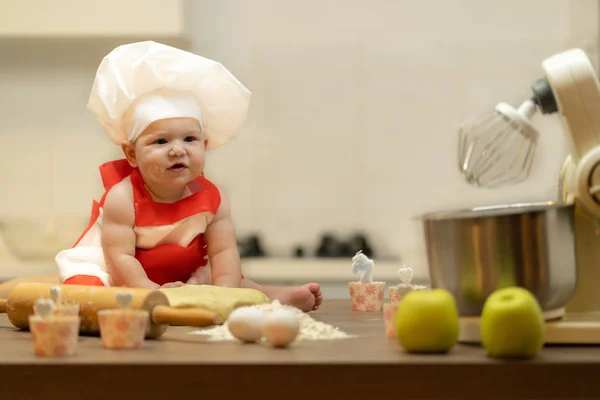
398 292
123 329
367 296
55 336
389 314
71 309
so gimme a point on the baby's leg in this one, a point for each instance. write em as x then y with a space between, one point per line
6 287
306 297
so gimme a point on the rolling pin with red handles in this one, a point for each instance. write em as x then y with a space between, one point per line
19 306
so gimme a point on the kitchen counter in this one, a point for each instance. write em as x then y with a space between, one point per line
180 365
332 273
322 269
261 269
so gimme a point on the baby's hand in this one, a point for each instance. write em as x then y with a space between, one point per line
172 284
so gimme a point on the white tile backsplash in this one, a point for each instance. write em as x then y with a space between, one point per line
354 115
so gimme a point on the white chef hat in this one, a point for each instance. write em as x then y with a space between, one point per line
139 83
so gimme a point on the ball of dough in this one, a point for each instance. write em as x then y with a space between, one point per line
281 327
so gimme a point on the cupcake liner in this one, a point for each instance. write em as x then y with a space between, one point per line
71 309
367 296
389 315
55 336
398 292
123 328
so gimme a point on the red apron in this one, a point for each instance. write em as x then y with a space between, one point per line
164 263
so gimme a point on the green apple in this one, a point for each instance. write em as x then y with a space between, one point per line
427 321
512 324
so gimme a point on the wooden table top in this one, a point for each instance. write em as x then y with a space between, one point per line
368 364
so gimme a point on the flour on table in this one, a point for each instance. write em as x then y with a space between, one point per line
310 329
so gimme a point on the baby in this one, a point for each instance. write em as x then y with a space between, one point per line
161 222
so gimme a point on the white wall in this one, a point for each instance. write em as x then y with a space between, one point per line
356 107
354 117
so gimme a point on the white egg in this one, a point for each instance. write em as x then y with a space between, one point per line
246 323
281 327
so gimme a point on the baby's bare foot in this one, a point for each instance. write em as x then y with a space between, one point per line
306 297
315 289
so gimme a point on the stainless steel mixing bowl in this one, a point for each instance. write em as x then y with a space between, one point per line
475 251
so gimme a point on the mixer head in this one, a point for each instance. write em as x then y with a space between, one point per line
498 148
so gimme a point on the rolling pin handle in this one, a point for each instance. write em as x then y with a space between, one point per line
197 317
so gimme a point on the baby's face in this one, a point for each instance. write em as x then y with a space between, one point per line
171 151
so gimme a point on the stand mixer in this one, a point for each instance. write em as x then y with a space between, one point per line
498 150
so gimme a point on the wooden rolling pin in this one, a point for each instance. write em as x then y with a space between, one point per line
19 306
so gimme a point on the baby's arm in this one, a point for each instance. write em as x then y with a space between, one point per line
118 239
223 253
